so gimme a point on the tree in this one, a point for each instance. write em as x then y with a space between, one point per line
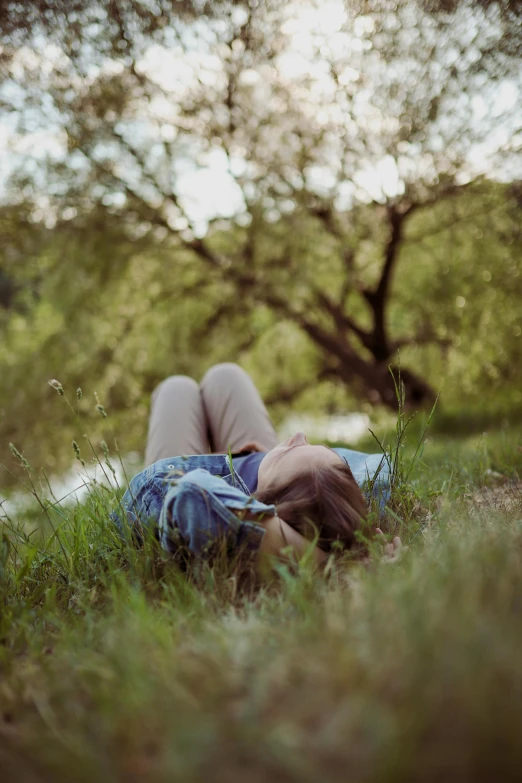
340 131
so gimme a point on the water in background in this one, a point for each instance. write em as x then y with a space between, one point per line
336 429
73 486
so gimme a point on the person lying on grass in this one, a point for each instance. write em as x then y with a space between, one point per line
234 481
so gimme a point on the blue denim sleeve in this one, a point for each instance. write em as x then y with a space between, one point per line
371 472
199 508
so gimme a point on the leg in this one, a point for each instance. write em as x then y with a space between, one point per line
177 423
235 411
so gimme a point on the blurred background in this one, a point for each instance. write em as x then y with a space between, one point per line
317 190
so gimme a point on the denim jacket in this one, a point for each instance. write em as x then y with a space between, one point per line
191 500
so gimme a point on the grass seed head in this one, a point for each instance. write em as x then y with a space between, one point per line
76 450
99 407
56 385
20 457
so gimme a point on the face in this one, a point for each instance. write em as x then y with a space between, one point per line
291 457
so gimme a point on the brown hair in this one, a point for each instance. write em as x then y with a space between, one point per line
325 500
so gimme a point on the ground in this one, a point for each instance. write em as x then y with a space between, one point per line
118 666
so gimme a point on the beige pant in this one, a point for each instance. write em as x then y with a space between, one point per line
223 412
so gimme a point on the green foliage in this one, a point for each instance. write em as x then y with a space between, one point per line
122 312
361 221
465 259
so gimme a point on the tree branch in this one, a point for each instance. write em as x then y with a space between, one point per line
342 321
140 160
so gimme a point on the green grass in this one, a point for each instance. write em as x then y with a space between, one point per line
117 666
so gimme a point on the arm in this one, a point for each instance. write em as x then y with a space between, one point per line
280 536
284 543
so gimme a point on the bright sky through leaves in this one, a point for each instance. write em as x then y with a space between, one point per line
205 180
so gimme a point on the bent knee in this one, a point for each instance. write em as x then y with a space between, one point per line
223 372
176 384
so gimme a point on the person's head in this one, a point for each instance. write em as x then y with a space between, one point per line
313 490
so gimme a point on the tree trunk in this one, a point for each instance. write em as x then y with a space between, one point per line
376 383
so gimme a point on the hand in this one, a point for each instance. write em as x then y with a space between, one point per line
253 445
392 550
